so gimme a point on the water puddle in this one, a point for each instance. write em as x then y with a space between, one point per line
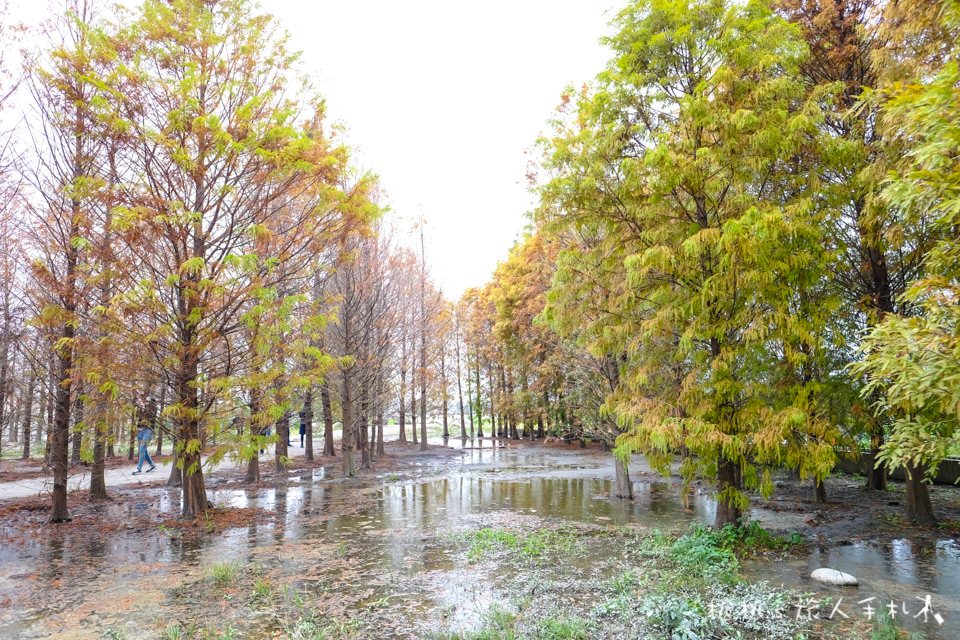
392 546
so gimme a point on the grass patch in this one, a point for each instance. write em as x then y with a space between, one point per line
193 632
483 542
261 589
224 573
501 623
313 628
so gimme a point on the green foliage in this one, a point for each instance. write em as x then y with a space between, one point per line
530 547
321 628
692 242
912 363
225 572
261 589
884 627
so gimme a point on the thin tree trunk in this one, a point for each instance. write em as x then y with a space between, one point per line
919 507
443 392
346 440
363 444
728 480
877 470
379 448
194 500
423 344
819 491
77 431
413 398
328 450
61 429
132 434
479 399
463 422
255 429
283 437
27 415
50 400
5 339
494 431
63 386
161 425
623 489
308 423
403 389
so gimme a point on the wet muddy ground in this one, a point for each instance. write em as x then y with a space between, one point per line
430 545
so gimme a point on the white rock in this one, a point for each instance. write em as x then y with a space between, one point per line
832 576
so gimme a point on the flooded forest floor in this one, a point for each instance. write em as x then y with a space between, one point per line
485 540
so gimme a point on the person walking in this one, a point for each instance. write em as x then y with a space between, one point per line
144 436
303 427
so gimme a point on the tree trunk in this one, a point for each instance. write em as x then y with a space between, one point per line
27 411
346 440
413 401
255 431
493 412
63 386
443 392
161 427
380 410
819 491
479 400
283 437
176 473
403 389
98 481
728 481
100 431
423 343
919 507
77 431
132 431
623 489
876 470
111 440
362 440
423 394
61 429
308 423
463 422
5 338
328 450
50 400
194 490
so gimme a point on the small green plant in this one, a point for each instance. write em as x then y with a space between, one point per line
341 549
261 589
950 525
294 596
531 546
176 632
112 633
563 629
393 478
623 583
224 573
310 628
752 536
886 628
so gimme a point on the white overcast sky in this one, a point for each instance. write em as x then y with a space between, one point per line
441 99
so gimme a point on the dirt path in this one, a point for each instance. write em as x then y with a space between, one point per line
32 482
